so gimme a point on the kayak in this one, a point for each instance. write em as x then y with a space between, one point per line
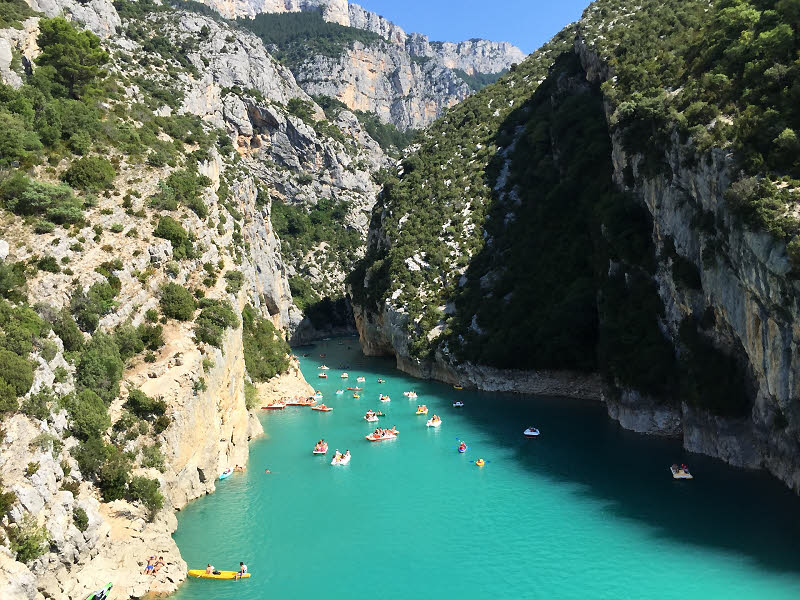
480 462
322 408
457 387
531 432
341 459
432 423
355 389
201 574
226 473
101 594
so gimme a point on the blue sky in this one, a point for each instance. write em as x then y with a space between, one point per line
526 23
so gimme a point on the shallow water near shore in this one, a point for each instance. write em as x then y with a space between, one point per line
587 510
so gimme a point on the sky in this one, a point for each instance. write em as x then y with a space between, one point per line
525 23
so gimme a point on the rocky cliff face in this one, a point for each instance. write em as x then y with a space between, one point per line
334 11
404 79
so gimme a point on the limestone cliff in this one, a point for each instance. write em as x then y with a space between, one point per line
405 79
697 297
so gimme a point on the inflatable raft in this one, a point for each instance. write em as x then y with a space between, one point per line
422 411
480 462
458 404
370 418
322 450
432 423
201 574
531 432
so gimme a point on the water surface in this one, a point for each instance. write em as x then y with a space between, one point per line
587 510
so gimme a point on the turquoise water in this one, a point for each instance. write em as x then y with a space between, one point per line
587 510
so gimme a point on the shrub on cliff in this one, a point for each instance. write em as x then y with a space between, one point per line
28 540
177 302
99 368
96 302
65 327
90 173
265 352
80 518
143 406
88 415
27 197
182 242
16 371
182 188
146 491
215 317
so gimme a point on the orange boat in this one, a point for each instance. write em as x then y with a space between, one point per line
390 435
355 389
275 405
322 408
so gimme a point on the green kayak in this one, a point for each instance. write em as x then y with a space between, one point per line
101 594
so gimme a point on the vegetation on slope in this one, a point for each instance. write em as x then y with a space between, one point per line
298 36
726 76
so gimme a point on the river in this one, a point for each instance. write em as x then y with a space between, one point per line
587 510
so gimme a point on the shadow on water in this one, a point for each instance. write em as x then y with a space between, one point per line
745 513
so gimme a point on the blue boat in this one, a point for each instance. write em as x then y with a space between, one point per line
226 473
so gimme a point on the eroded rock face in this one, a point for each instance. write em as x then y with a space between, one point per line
98 16
405 79
334 11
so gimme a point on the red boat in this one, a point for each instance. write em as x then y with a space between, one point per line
355 389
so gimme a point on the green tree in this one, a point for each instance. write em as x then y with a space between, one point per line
177 302
75 56
146 491
90 173
88 414
99 368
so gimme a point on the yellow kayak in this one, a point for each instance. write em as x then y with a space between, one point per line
201 573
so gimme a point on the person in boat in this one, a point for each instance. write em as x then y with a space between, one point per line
238 469
462 446
346 454
241 572
209 569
